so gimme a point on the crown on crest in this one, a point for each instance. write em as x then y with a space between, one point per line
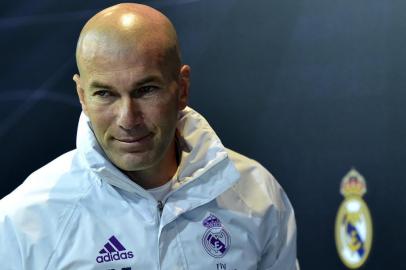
353 183
211 221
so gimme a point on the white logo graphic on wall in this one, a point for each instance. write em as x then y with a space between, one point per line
353 229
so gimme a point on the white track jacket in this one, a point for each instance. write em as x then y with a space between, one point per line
80 212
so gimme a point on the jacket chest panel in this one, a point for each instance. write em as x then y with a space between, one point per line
210 238
121 234
110 235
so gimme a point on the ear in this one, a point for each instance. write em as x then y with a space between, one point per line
184 86
80 92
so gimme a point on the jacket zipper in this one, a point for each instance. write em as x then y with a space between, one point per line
160 207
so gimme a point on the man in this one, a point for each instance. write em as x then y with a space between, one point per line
150 186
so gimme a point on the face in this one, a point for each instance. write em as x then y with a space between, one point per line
133 104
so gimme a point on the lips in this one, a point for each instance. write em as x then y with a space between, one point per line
133 139
134 144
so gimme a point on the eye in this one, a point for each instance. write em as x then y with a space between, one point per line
145 90
102 93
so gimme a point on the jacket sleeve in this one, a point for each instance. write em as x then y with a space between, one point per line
24 234
10 254
280 251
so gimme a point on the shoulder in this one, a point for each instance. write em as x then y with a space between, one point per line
39 209
56 180
257 187
250 167
259 198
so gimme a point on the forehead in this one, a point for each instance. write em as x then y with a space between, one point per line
112 57
125 64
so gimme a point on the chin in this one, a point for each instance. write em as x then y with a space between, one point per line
133 163
134 167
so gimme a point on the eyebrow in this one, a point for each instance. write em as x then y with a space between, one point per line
96 84
147 79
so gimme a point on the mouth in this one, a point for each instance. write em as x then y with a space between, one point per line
132 140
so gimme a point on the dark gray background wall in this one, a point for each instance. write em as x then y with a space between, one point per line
308 88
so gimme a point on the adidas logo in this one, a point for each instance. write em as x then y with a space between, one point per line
113 250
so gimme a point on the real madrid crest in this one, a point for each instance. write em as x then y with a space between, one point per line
216 240
353 229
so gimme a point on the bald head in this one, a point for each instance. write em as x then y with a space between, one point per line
124 31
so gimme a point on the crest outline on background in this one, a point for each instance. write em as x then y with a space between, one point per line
353 226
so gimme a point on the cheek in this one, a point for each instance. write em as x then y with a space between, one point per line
162 107
166 112
100 118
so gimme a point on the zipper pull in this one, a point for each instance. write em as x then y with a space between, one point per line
160 207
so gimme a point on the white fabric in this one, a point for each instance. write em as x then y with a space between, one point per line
160 192
81 212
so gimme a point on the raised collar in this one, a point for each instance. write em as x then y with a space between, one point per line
202 154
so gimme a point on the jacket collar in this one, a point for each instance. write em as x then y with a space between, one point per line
203 157
96 160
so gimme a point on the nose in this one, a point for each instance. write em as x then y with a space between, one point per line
129 114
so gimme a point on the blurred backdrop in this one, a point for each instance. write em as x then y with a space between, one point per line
308 88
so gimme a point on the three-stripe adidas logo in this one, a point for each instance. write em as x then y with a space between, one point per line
113 250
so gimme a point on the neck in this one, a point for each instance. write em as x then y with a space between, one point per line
157 175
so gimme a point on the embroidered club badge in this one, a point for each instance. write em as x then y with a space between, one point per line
216 241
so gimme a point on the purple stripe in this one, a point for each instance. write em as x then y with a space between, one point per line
116 243
109 248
